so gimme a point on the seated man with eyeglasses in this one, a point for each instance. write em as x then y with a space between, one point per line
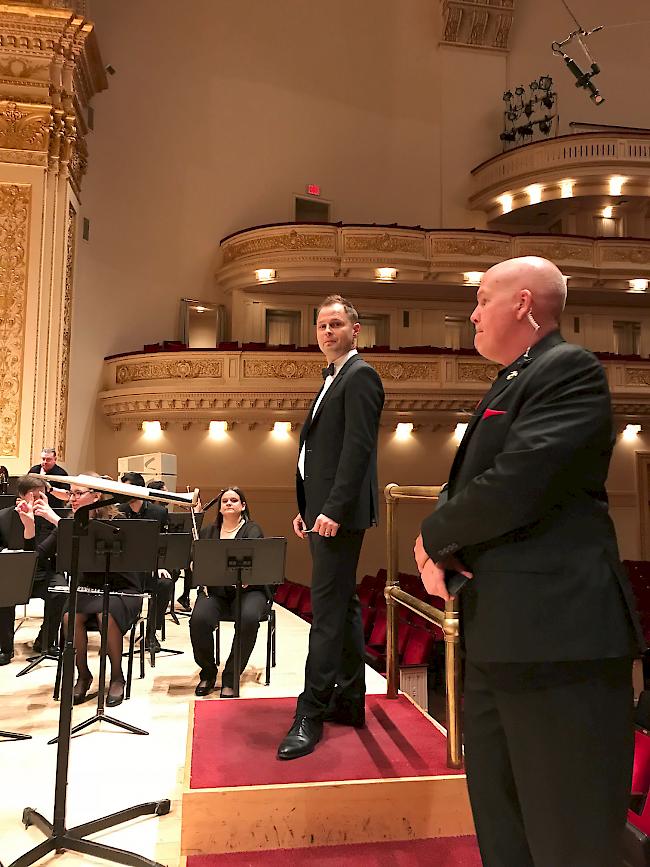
32 491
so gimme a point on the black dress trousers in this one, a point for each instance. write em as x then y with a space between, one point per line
7 616
548 751
334 672
210 610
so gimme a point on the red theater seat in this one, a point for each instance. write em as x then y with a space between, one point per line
419 647
368 620
282 592
637 829
294 597
305 609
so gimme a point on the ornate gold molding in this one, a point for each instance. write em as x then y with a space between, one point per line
66 331
637 376
477 23
472 371
470 246
291 241
25 126
552 249
15 210
403 371
627 253
257 368
181 369
386 243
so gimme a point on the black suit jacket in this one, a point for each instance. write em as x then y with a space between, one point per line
527 512
341 450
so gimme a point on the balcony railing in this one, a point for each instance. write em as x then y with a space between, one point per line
431 390
329 254
568 166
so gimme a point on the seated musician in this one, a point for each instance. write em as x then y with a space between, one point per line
123 609
14 533
150 511
232 522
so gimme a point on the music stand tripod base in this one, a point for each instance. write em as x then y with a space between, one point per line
74 839
58 837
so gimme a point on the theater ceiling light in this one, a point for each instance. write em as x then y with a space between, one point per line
638 284
459 433
218 430
151 429
631 431
506 203
263 275
386 273
616 185
608 212
404 430
473 278
534 194
281 430
566 188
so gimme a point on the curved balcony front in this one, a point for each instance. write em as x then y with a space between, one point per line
595 164
433 390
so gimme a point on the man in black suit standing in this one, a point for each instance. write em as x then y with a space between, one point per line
336 487
48 466
547 616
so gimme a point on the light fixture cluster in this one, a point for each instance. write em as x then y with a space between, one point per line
528 114
535 193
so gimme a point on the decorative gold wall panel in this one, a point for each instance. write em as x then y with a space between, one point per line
181 369
261 369
15 210
66 331
292 240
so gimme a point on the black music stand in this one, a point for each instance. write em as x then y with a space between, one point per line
228 562
118 545
181 522
17 569
58 837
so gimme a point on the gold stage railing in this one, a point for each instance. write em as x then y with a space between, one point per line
447 620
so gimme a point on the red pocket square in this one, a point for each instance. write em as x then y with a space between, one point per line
489 412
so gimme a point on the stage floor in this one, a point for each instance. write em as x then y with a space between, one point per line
111 769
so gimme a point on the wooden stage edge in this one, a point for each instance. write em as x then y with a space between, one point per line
257 818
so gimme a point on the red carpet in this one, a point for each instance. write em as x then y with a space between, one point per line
235 742
441 852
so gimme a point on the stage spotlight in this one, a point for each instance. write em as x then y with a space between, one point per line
520 90
583 79
545 125
507 96
545 82
508 135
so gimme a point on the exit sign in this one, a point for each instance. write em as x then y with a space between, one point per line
313 190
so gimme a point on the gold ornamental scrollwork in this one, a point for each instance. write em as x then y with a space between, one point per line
181 369
25 126
556 250
403 371
15 206
292 240
470 247
473 372
66 332
637 255
281 369
637 376
386 243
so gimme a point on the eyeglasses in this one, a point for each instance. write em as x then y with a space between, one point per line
74 495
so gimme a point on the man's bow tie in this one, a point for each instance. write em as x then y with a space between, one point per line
330 370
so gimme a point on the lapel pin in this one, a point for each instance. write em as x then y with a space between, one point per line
512 375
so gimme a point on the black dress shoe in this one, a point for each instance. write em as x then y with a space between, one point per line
301 739
347 716
81 688
205 687
6 657
152 645
184 602
38 643
115 693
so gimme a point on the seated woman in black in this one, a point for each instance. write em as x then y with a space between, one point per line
123 610
232 522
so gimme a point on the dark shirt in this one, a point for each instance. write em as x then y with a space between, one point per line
149 510
56 470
